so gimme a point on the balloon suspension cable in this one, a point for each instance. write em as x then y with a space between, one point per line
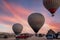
35 34
52 15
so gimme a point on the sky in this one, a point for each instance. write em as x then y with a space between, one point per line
17 11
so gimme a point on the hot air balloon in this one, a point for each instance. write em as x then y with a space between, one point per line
51 5
36 21
17 28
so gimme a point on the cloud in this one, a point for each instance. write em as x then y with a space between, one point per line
54 26
20 15
8 20
16 10
5 28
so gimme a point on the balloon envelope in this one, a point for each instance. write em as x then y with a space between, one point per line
36 21
51 5
17 28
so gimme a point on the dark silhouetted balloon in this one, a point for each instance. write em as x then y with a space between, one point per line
51 5
36 21
17 28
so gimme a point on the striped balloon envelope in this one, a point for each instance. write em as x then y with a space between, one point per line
51 5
